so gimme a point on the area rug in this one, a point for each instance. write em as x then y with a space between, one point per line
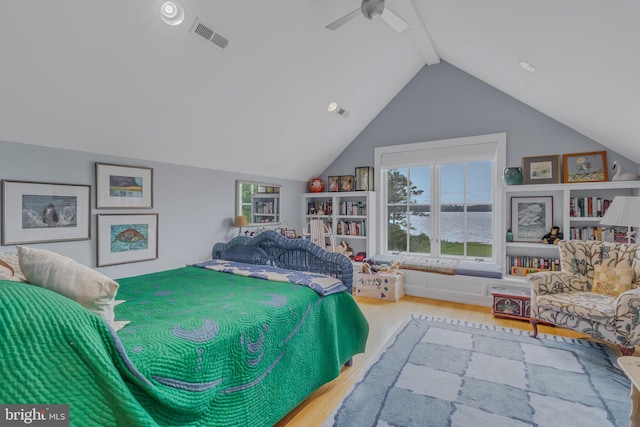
440 372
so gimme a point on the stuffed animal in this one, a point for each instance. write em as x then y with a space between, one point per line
395 266
553 237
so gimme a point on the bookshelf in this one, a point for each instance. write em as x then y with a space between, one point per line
577 210
350 216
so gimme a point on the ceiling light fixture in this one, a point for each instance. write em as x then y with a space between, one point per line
332 107
527 66
172 13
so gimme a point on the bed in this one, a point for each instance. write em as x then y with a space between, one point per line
203 346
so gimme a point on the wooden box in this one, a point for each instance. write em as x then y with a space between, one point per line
385 286
511 303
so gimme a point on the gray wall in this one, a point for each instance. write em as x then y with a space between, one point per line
443 102
195 206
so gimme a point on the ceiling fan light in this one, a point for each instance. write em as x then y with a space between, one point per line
372 9
332 107
172 13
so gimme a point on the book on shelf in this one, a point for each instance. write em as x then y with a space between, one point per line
522 265
351 228
602 234
313 208
588 207
351 207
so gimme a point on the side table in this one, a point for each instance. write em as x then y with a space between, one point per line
630 365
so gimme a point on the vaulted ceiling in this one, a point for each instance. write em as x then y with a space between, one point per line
111 77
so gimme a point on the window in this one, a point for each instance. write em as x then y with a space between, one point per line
439 198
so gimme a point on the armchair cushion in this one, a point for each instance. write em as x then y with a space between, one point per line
598 307
611 280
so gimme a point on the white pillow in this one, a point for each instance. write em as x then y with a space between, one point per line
11 260
93 290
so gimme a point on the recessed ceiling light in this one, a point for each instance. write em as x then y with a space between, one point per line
172 13
332 107
526 66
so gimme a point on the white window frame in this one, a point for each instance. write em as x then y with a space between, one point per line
437 152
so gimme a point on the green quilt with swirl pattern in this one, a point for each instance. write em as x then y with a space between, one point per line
203 348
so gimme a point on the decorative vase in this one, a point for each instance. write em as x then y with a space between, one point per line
509 235
512 176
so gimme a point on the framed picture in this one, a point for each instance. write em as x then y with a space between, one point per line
123 186
290 234
364 179
36 212
124 238
334 183
531 218
541 169
346 183
585 167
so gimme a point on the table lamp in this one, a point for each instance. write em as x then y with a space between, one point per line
624 211
240 221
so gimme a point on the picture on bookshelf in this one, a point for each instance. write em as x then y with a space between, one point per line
585 167
334 183
541 169
531 218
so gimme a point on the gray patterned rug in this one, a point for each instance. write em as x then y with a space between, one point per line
440 372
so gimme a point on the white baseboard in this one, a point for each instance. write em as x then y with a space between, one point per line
462 289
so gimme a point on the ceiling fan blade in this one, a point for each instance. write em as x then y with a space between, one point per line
340 22
394 20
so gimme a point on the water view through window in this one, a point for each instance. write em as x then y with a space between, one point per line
453 218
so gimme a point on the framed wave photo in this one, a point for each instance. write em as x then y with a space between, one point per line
125 238
531 218
38 212
123 186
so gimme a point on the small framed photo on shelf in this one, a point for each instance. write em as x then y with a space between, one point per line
541 169
289 234
125 238
364 179
346 182
585 167
531 218
123 186
334 183
39 212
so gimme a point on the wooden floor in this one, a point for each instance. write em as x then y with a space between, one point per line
384 319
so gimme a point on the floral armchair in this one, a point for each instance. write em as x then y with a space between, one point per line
597 292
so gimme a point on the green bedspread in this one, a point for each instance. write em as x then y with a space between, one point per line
203 348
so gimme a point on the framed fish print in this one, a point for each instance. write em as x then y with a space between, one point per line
125 238
38 212
123 186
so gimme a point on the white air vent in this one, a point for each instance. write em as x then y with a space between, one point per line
204 31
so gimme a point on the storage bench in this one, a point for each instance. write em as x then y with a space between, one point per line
511 303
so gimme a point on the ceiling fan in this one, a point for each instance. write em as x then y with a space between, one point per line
372 9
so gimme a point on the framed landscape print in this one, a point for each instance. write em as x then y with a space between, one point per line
585 167
531 218
37 212
541 170
124 238
123 186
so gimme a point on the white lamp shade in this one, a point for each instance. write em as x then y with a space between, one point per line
623 211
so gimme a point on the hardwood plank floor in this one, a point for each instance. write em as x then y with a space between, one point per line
384 319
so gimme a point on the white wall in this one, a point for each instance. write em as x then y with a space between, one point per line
195 206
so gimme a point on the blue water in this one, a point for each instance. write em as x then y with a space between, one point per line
479 226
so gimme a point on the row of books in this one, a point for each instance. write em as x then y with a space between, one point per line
521 265
351 228
608 234
319 208
588 206
351 207
265 208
